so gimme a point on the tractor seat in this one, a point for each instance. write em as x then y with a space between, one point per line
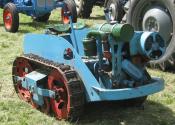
63 28
59 28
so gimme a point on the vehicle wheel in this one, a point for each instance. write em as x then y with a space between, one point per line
43 18
21 67
11 18
71 7
79 5
156 15
116 10
69 100
85 7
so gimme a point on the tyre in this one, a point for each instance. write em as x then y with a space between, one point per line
116 10
79 5
71 7
43 18
156 15
11 18
84 7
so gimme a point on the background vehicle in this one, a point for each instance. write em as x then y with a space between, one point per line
84 7
39 10
147 15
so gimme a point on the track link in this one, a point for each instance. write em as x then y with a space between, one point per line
75 85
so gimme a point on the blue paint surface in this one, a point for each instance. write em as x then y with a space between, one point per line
33 8
30 82
52 47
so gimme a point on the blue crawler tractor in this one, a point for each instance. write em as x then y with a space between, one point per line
71 65
39 10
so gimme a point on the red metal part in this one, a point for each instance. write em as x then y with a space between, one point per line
8 19
65 18
61 104
69 51
22 68
23 93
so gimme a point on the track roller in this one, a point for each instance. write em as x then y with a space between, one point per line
69 92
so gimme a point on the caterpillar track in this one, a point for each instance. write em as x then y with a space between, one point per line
72 94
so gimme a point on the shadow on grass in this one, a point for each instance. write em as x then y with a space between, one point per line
170 68
114 114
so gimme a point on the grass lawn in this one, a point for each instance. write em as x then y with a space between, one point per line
159 108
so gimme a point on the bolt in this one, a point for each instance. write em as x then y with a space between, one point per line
7 18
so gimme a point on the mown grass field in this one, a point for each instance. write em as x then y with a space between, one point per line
159 108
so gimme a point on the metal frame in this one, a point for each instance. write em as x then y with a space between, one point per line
39 44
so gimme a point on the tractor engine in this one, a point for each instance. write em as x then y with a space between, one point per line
122 54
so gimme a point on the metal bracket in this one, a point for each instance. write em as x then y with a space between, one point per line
33 82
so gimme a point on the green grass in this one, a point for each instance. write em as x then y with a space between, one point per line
159 108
